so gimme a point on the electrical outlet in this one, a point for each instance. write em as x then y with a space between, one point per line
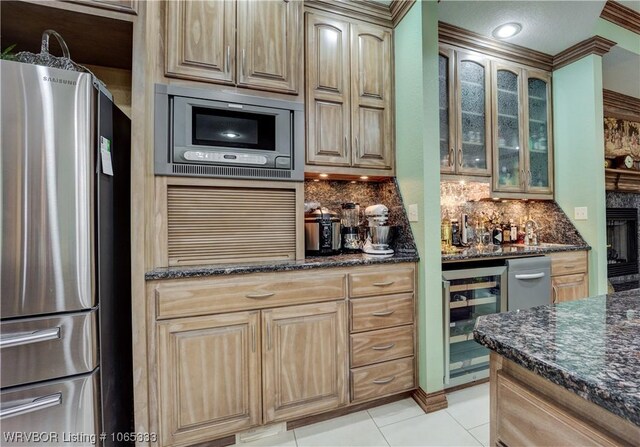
413 212
580 213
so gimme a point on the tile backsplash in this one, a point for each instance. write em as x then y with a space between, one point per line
471 198
333 193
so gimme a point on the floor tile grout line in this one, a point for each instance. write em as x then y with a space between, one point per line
476 426
475 437
295 438
405 420
456 421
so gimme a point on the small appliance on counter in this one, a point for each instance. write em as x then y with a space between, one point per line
378 229
351 227
322 232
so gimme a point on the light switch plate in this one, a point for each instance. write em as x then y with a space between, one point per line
580 213
413 212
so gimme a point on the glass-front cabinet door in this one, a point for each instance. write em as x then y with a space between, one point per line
539 167
469 294
447 117
509 152
473 117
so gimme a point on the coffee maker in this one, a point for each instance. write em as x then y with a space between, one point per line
378 230
351 227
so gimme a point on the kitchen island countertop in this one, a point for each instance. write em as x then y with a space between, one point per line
313 262
590 347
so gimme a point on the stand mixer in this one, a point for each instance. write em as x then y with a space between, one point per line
378 228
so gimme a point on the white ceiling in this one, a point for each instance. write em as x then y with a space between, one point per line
547 26
550 27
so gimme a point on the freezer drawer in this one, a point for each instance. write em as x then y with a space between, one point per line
37 349
529 282
61 408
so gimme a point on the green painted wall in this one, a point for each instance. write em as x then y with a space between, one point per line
418 172
623 37
579 154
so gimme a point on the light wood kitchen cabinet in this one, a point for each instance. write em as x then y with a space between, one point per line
253 44
304 360
465 113
209 377
569 287
569 277
232 352
348 89
522 142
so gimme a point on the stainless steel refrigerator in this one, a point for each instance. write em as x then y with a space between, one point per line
65 329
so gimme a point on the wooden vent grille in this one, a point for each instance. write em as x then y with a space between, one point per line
216 225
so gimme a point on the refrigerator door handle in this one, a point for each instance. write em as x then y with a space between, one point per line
39 403
447 329
530 275
32 337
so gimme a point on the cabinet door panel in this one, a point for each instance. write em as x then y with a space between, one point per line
539 163
569 287
447 116
509 173
473 103
209 377
201 40
269 40
304 360
327 88
371 81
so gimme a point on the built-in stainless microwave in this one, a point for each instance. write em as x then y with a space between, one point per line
214 133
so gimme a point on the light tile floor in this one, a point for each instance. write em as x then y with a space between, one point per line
403 423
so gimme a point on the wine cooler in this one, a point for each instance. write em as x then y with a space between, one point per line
468 294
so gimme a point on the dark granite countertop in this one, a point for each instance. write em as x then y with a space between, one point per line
508 251
345 260
590 347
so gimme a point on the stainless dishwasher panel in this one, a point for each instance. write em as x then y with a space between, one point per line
37 349
61 408
529 282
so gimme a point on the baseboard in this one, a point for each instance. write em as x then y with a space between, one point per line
430 402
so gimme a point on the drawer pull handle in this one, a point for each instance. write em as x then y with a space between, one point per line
383 348
36 404
569 266
383 314
530 275
385 380
383 284
259 295
32 337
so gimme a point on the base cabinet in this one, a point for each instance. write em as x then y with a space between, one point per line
209 376
304 360
569 278
235 352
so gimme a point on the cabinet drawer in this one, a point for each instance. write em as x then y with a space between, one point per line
381 312
189 298
382 345
568 262
371 382
381 283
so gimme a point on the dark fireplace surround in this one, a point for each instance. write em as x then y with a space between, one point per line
622 242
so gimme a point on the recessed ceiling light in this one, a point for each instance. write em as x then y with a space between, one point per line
324 175
507 30
363 177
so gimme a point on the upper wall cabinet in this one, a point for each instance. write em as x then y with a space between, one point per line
264 53
523 163
348 96
465 129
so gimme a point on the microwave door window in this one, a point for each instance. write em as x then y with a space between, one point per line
233 129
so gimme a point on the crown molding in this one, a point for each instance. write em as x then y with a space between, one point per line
617 105
453 35
366 11
619 14
594 45
399 9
